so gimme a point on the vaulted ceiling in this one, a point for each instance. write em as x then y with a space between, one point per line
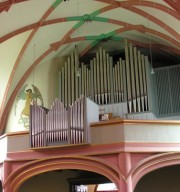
35 31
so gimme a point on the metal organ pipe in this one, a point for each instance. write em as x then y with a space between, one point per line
95 80
103 81
61 125
69 80
132 77
82 79
118 83
62 91
76 73
128 85
106 82
111 79
122 72
108 79
105 76
136 72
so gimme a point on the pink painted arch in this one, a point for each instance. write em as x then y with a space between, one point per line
20 175
153 163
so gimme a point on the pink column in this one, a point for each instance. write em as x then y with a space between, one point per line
124 161
7 170
7 189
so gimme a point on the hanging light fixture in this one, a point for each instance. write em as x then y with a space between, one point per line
78 74
34 55
152 69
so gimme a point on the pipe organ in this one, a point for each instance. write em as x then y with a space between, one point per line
106 82
62 125
123 88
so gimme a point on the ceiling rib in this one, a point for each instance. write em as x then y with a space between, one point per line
67 38
19 85
174 4
127 27
6 5
125 4
3 116
142 13
155 45
17 88
142 29
30 27
157 21
154 5
112 6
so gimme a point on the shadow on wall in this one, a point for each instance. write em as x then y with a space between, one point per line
164 179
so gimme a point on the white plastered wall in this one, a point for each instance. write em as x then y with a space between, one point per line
45 78
8 54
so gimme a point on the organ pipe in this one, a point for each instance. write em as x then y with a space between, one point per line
136 72
69 80
140 82
111 79
105 81
76 72
72 78
132 77
105 76
66 84
108 78
60 124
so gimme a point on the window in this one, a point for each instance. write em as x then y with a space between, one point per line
107 187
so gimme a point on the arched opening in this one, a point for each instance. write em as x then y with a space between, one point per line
1 186
66 180
163 179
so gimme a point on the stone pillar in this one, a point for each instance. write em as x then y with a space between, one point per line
124 161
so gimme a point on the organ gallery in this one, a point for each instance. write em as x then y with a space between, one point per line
124 89
84 89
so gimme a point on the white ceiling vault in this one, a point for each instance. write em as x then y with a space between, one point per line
52 27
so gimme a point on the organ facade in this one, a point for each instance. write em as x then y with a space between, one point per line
107 82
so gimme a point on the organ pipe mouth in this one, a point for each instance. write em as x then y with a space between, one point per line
78 73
